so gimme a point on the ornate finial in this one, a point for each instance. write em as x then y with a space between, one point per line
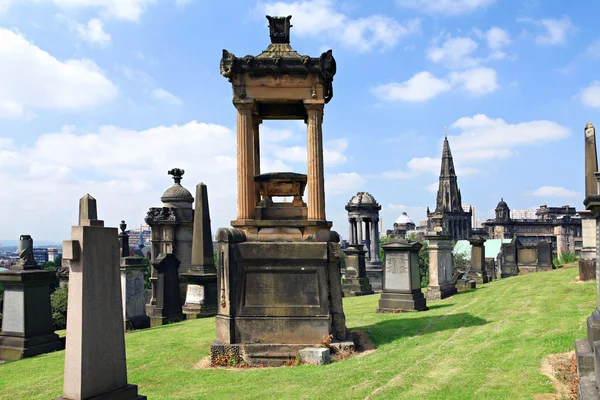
25 248
279 28
177 174
124 240
88 212
123 226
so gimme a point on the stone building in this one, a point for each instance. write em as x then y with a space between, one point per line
402 226
363 218
561 226
455 221
172 228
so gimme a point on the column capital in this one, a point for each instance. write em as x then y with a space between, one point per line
317 105
244 104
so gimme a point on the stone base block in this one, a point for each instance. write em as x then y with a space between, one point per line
394 302
593 327
524 270
509 270
201 296
202 311
315 355
587 270
587 390
129 392
375 275
440 292
356 287
584 357
16 348
138 322
160 321
463 285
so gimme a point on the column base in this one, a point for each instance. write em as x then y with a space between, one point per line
13 347
398 302
195 311
585 358
201 296
587 270
593 328
129 392
440 292
356 287
137 322
463 285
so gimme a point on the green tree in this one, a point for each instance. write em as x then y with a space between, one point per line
58 302
58 261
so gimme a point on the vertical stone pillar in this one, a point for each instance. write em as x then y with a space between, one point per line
256 121
355 281
441 267
316 181
245 160
95 365
354 231
591 160
359 226
368 238
479 273
375 251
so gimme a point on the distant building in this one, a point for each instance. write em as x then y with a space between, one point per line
402 225
522 214
561 226
466 208
40 254
142 235
52 253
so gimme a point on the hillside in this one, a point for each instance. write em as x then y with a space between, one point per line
487 343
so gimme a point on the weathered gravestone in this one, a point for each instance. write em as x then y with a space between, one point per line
95 365
441 263
27 328
132 285
587 262
509 259
201 296
401 278
168 301
544 256
478 271
355 281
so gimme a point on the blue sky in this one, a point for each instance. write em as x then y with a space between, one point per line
104 96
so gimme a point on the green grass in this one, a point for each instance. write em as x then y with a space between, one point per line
487 343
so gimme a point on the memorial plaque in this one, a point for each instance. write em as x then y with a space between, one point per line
195 294
397 272
282 289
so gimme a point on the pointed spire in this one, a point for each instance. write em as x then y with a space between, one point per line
448 197
88 212
591 160
202 246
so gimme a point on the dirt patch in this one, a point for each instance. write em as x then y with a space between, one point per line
362 344
203 363
561 369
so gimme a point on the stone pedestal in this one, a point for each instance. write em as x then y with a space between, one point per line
201 296
27 328
587 261
133 293
355 282
95 364
401 278
509 259
168 301
478 272
441 267
462 285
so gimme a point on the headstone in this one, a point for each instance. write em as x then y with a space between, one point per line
27 328
95 364
355 281
509 259
441 267
201 296
133 292
401 278
544 256
478 271
168 304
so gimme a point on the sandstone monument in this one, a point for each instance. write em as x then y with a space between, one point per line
278 266
363 219
27 328
355 281
441 263
587 262
95 365
477 271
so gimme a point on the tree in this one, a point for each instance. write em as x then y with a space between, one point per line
58 261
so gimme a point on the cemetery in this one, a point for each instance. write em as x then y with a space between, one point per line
280 306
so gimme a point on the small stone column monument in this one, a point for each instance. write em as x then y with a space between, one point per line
401 278
441 263
133 292
201 296
355 281
587 262
95 365
478 272
27 328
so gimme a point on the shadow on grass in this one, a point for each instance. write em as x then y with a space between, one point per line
435 306
399 326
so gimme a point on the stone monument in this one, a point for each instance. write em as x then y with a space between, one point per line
27 328
587 262
478 271
441 264
172 230
363 217
201 296
133 292
355 281
401 278
508 259
278 268
95 365
167 308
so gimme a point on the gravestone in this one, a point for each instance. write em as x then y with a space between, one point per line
401 278
133 292
168 301
544 256
478 271
27 328
355 281
95 364
201 296
441 267
509 259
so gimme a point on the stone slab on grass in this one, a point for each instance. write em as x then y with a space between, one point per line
315 355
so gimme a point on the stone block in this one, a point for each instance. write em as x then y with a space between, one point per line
315 355
398 302
587 270
584 357
587 390
71 250
463 285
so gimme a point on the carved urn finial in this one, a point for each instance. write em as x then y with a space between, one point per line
123 226
279 29
177 175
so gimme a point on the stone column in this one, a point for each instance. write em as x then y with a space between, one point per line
441 267
359 226
350 231
245 160
354 231
368 238
256 121
316 181
374 240
479 273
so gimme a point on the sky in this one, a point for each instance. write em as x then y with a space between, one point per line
105 96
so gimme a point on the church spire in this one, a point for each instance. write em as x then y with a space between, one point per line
448 196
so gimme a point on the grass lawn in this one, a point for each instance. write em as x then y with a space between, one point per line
487 343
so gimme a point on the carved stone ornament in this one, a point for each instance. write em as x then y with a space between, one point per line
26 252
158 214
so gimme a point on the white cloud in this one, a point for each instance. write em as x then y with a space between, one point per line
445 7
343 183
590 96
162 94
477 81
320 19
93 32
421 87
454 52
497 38
555 32
432 187
555 191
30 78
424 86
